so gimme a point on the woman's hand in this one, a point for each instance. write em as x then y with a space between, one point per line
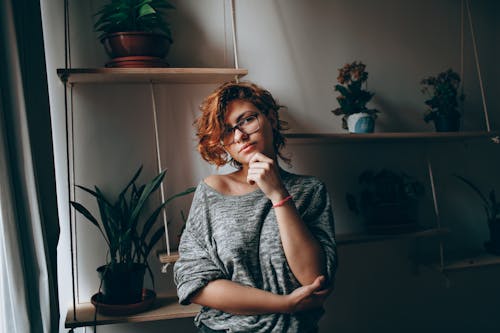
309 296
265 173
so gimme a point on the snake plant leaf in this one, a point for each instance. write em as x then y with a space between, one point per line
154 239
148 189
490 209
131 182
105 210
151 220
493 198
93 193
185 192
82 210
473 187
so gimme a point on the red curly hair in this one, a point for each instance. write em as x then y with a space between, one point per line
210 125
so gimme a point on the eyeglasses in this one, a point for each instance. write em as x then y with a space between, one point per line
248 125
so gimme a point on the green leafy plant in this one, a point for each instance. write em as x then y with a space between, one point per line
442 91
353 98
492 210
387 199
133 15
490 204
129 241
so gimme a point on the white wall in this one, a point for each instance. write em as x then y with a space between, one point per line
294 49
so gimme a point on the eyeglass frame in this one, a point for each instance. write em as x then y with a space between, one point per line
232 130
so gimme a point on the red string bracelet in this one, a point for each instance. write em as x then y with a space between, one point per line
282 202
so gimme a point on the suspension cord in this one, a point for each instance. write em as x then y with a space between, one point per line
235 45
158 158
478 69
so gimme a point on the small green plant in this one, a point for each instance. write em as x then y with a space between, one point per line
353 98
129 241
442 91
388 200
492 210
490 204
133 15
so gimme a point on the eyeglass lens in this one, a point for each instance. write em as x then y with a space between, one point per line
247 125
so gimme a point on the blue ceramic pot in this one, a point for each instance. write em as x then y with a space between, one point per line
360 123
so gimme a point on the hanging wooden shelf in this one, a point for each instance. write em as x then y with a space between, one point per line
163 308
476 261
394 137
168 259
147 75
357 238
345 239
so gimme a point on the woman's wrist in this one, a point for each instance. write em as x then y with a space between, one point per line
277 198
282 201
286 304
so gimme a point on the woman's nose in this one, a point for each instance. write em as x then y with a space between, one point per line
239 135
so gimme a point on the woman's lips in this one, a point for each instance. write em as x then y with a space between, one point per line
246 148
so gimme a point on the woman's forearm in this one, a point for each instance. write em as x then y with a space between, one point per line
303 252
235 298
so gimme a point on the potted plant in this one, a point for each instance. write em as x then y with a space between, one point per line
129 236
388 201
135 32
356 117
492 210
442 91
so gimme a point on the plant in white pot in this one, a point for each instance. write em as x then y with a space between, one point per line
356 117
130 236
135 33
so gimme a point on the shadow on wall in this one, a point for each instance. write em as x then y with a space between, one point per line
193 46
398 118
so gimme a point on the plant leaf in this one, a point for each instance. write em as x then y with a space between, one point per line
151 220
476 189
185 192
154 239
84 211
148 189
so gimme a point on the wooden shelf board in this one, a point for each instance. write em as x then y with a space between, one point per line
356 238
471 262
344 239
146 75
391 136
168 259
163 308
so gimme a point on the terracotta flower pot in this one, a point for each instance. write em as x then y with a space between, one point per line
136 49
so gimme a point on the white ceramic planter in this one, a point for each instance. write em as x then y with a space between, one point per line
360 123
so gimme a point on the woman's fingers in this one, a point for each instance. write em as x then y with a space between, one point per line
309 296
259 157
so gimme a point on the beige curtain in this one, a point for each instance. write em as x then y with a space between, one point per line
29 227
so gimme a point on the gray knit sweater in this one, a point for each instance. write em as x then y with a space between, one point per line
237 238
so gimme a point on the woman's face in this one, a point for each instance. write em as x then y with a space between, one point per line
248 131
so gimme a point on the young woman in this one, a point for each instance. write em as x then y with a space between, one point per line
258 251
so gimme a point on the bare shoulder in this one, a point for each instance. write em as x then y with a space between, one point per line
219 183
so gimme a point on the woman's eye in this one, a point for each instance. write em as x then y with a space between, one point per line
247 120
